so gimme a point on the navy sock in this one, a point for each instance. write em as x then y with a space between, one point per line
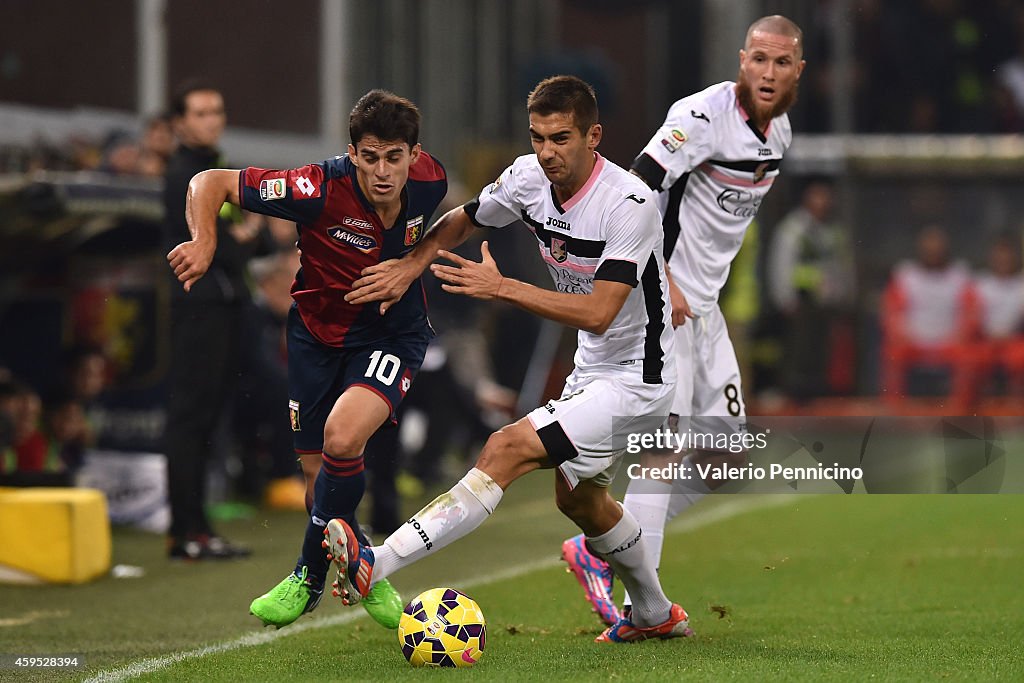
339 489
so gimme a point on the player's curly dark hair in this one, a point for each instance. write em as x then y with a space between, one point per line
386 116
562 95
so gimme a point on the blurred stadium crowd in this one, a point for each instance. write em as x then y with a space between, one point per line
822 322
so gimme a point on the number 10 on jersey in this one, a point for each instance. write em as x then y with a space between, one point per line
383 366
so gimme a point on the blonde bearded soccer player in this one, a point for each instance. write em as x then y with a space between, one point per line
599 232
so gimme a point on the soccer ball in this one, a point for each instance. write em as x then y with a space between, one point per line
442 627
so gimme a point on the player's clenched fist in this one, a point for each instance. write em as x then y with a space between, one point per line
189 261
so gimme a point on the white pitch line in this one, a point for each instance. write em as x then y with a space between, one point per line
700 518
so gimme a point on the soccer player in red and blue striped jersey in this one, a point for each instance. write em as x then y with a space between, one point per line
349 365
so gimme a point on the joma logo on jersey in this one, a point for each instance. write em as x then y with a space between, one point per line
363 243
272 189
357 223
741 203
764 152
560 224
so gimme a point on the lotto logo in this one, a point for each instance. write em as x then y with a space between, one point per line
305 186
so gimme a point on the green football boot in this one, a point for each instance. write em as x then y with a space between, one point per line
289 600
384 604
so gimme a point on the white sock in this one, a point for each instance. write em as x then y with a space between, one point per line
623 548
444 520
647 500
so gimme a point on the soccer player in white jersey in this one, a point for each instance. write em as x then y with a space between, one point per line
599 231
712 162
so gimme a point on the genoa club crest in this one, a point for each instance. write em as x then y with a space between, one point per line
413 230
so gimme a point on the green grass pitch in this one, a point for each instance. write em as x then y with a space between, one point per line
778 587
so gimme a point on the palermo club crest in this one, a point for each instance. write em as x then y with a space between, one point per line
760 171
558 250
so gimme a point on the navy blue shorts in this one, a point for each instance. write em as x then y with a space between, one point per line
318 374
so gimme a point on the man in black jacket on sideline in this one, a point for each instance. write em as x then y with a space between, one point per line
206 326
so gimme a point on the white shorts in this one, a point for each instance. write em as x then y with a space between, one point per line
585 430
708 391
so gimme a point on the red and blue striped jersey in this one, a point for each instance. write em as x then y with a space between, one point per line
340 234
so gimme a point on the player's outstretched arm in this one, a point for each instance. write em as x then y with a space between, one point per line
207 192
592 312
387 281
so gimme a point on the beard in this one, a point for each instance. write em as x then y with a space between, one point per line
745 94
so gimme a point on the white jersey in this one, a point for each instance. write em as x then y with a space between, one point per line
1002 304
933 299
717 168
609 230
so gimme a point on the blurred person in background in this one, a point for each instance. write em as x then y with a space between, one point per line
930 318
30 454
811 283
260 417
156 147
120 154
68 430
86 373
25 410
49 435
206 327
1001 296
82 379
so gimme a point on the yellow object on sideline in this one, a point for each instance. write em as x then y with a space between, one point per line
53 535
